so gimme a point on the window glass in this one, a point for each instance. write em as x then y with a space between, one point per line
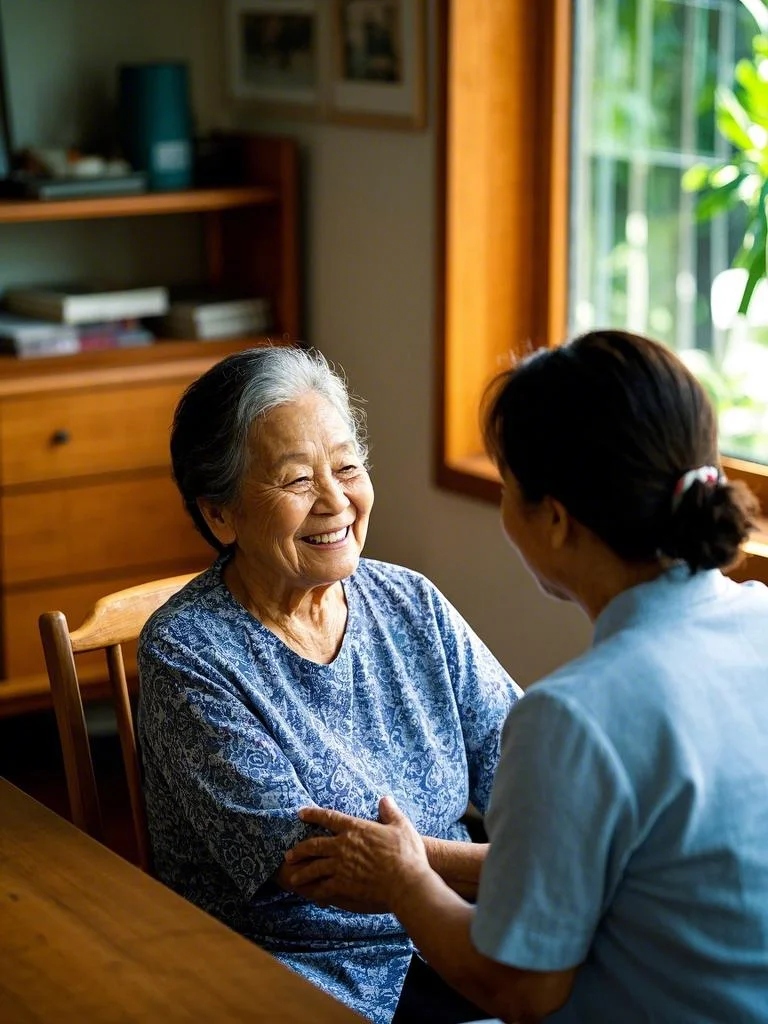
645 75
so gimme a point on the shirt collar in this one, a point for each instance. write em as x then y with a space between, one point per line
660 599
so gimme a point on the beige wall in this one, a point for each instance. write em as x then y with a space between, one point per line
370 280
369 201
62 56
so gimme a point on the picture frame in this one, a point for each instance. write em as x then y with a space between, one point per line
377 74
276 54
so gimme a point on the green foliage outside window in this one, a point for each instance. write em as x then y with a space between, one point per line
660 115
737 375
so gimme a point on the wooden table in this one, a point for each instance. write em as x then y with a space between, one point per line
87 937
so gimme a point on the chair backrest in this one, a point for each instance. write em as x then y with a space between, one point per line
111 622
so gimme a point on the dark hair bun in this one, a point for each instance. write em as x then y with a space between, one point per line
608 424
709 524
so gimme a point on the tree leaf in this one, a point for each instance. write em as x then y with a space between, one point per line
752 93
756 268
759 12
732 120
719 200
695 178
723 175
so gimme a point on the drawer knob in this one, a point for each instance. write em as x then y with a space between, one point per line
61 436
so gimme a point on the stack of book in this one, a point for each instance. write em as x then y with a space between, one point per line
26 337
202 313
62 319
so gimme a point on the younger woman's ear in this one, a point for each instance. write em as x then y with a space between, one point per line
218 518
560 525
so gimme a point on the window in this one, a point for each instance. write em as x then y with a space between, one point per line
575 121
644 79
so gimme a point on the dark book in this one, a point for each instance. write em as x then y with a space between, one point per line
210 304
193 326
81 187
197 311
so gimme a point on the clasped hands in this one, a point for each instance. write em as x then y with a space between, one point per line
363 866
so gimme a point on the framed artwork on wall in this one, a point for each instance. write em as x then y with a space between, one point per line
377 69
275 54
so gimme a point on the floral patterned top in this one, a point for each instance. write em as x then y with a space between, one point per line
237 732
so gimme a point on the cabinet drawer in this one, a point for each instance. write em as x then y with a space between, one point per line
97 528
23 652
80 433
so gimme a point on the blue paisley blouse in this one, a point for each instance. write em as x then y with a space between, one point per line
237 732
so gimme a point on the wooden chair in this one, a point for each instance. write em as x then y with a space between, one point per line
111 622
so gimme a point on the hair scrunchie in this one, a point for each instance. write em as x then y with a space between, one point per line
707 475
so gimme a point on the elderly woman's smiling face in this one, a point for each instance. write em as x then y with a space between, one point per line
301 518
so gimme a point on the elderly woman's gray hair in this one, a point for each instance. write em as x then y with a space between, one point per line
209 438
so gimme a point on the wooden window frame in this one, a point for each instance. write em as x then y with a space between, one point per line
503 163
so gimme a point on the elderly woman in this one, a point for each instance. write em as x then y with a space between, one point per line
627 876
295 672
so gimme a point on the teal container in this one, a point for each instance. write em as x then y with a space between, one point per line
155 122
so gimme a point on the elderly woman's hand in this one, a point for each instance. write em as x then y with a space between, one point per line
364 866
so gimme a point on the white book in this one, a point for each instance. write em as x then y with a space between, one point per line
242 321
252 321
87 303
24 330
207 305
39 347
231 327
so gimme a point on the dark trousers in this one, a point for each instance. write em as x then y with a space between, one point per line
427 998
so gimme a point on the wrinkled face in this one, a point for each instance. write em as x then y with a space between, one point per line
530 530
302 514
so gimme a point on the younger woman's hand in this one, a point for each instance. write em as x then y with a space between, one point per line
363 865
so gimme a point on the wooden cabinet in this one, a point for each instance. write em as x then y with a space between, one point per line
87 504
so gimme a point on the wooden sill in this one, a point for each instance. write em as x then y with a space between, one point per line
476 476
754 565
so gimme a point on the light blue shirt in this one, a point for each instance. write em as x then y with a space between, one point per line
629 816
237 732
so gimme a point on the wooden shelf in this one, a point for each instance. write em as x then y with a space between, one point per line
146 204
107 485
105 367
